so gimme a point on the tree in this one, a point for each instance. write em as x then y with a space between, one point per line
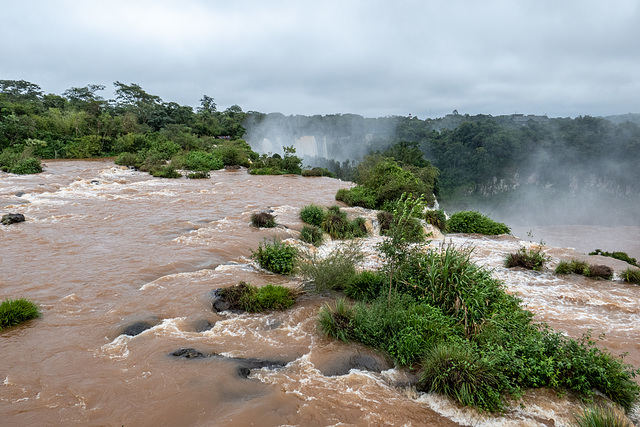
207 105
133 98
21 90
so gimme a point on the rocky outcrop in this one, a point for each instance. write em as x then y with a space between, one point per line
244 366
136 328
12 218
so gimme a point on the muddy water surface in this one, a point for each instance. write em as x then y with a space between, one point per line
103 247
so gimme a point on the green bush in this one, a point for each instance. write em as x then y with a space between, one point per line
317 171
631 275
437 218
312 214
475 222
335 322
263 219
574 266
357 196
366 285
533 259
334 271
166 171
456 371
338 226
198 175
622 256
247 297
14 312
202 161
311 234
601 417
276 257
128 159
30 165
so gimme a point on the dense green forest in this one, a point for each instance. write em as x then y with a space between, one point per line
481 161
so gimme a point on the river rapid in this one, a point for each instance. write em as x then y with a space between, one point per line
105 246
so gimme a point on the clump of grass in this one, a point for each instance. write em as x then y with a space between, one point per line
622 256
312 214
276 256
335 322
311 234
599 271
338 226
456 371
475 222
631 275
334 271
166 171
14 312
385 219
263 220
599 416
247 297
366 285
533 259
437 218
575 266
198 175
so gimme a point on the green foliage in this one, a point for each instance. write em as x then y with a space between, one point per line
313 215
437 218
401 221
631 275
166 171
277 165
456 371
19 160
533 259
30 165
128 159
317 171
366 285
622 256
574 266
247 297
333 271
338 226
475 222
357 196
335 322
599 416
14 312
199 161
198 175
276 257
263 219
311 234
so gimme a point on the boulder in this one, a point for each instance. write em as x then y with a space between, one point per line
136 328
217 302
188 353
12 218
359 361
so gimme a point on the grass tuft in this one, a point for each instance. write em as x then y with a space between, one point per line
334 271
601 417
263 220
312 214
312 235
276 257
631 275
533 259
14 312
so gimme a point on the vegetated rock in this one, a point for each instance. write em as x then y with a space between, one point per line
188 353
136 328
232 167
602 271
360 361
12 218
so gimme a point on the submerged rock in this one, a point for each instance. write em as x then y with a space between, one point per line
12 218
218 303
359 361
136 328
188 353
244 365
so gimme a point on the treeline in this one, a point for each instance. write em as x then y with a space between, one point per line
80 124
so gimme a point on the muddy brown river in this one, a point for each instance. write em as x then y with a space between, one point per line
104 247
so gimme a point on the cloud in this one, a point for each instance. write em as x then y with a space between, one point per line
373 58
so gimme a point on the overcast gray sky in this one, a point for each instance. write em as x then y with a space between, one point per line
374 58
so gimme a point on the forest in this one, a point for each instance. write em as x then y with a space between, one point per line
481 160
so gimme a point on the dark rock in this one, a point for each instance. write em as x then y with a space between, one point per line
19 194
217 302
360 361
201 325
188 353
95 181
244 372
232 167
136 328
11 218
246 365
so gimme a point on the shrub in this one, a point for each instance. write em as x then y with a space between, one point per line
198 175
312 214
202 161
385 219
276 257
14 312
336 224
437 218
622 256
600 271
533 259
244 296
574 266
366 285
631 275
166 171
333 271
601 417
456 371
263 219
317 171
475 222
336 322
26 166
311 234
128 159
357 196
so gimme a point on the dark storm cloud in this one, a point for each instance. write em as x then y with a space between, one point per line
373 58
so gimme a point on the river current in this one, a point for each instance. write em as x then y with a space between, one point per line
105 246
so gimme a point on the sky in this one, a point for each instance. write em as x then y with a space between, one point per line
369 57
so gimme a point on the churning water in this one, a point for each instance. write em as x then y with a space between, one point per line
104 247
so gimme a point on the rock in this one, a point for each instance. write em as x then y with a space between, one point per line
360 361
232 167
11 218
136 328
95 182
201 325
188 353
19 194
217 302
246 365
